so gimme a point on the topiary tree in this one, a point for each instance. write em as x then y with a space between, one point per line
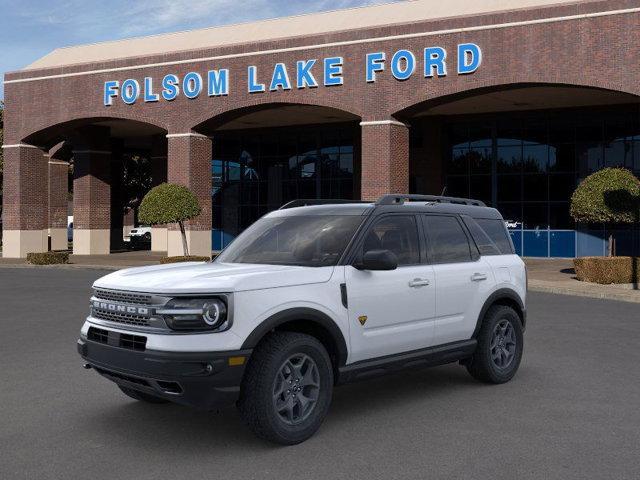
170 203
611 195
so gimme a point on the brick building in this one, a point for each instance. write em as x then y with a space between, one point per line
508 101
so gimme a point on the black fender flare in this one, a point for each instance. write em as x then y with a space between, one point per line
300 314
495 297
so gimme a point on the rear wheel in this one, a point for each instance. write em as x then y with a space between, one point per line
141 396
500 345
287 388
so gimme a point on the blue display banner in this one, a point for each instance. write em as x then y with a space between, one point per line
308 73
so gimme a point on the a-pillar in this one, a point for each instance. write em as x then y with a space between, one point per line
25 212
385 158
58 191
92 192
158 175
189 164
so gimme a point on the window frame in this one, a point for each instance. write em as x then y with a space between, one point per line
474 253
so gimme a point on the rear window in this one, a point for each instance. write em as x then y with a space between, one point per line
490 235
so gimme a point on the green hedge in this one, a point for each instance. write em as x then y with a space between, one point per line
607 270
48 258
610 195
189 258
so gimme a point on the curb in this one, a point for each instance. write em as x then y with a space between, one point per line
560 290
64 266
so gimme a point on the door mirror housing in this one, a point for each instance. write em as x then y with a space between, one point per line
378 260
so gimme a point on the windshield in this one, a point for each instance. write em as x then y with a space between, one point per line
310 241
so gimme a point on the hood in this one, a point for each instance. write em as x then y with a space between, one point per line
201 277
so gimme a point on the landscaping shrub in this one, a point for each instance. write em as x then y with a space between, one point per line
170 203
187 258
48 258
607 270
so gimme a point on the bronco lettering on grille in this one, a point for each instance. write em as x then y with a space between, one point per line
114 307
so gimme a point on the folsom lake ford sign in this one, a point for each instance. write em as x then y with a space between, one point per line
309 73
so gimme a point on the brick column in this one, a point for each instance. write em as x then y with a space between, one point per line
158 175
58 191
385 158
92 192
189 164
25 212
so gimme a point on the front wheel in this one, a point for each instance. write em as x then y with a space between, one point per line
287 388
500 344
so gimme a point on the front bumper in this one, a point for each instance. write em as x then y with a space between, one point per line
205 380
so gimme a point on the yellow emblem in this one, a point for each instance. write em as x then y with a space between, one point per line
362 319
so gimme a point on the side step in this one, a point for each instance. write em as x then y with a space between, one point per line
426 357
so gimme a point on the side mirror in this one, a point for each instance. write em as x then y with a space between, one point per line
378 260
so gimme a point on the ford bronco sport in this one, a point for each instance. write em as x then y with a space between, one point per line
315 294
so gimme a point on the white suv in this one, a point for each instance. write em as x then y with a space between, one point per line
312 295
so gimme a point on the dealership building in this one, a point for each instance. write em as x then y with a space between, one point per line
511 102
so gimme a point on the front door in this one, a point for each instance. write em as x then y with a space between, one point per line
391 311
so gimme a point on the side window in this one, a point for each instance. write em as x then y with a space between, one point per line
396 233
485 244
497 231
447 241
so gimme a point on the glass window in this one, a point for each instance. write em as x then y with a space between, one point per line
397 234
509 187
535 158
534 187
510 159
497 232
457 186
535 215
485 245
304 240
447 241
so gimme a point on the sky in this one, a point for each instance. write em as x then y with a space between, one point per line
29 29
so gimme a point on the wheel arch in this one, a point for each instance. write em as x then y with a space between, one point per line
304 320
503 296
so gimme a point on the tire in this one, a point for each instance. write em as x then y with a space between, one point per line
271 400
497 362
141 396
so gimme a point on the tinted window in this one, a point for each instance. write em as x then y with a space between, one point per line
486 245
397 234
497 232
447 241
312 241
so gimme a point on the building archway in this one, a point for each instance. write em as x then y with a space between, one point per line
523 148
266 155
114 162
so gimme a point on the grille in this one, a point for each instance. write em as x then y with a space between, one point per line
98 335
133 342
124 297
126 318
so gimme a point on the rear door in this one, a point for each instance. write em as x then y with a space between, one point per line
463 279
391 311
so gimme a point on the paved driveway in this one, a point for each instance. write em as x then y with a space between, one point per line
571 412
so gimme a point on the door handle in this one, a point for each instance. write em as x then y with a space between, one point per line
477 277
418 282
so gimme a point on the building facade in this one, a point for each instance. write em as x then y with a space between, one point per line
509 102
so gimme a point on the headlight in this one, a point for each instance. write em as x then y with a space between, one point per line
196 314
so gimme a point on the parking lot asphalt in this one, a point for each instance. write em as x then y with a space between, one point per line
570 413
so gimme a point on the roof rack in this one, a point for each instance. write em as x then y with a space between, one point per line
399 199
302 202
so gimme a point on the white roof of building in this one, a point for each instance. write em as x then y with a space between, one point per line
278 28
